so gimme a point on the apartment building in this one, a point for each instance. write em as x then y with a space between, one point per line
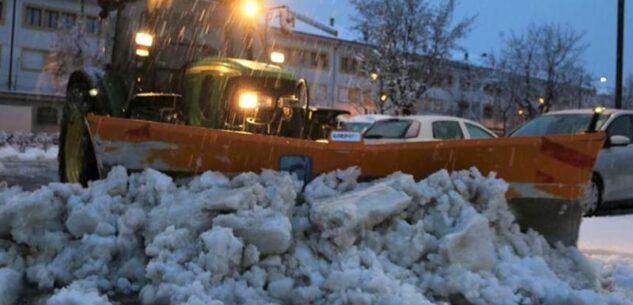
330 66
29 99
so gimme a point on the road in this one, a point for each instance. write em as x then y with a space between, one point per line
28 174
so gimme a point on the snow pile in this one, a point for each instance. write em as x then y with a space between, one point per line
28 146
260 239
616 271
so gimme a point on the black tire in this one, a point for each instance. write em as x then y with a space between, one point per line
593 198
76 158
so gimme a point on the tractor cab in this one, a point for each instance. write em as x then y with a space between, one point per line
243 95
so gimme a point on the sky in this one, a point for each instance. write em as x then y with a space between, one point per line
497 19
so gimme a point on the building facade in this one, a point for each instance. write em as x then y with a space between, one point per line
30 97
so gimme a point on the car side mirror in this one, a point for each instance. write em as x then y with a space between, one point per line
618 140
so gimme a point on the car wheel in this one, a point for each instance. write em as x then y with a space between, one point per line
592 199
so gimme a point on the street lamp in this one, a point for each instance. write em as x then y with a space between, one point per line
603 79
374 76
250 8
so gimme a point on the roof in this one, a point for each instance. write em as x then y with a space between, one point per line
240 66
365 118
607 111
434 117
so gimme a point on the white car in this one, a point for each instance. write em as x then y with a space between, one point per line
420 128
612 182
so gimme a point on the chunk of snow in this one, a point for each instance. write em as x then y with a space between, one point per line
270 232
472 246
340 216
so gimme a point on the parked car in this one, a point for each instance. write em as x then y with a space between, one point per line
361 122
419 128
612 182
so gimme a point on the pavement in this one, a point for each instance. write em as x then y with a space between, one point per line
28 174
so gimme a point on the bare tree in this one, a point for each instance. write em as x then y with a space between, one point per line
70 51
411 41
560 52
504 83
547 59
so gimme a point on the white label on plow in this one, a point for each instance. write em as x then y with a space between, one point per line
345 136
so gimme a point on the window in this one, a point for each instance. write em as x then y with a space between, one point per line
368 98
51 19
622 126
34 16
349 65
320 92
204 101
1 11
354 95
558 124
47 18
476 132
323 60
343 94
447 130
393 129
69 19
46 116
93 26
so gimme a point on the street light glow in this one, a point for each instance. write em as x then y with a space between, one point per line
250 8
541 100
599 109
384 97
604 79
374 76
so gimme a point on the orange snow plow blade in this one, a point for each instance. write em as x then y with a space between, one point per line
547 175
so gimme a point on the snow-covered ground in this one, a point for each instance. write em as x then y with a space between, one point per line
30 154
607 234
262 239
28 146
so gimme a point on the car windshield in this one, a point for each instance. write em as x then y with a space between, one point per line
558 124
390 129
360 127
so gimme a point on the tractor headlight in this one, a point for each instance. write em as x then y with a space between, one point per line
248 100
251 100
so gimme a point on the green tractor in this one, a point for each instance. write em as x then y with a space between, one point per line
152 76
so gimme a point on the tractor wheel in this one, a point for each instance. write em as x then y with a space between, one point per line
77 160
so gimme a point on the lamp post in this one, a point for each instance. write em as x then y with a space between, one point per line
619 56
382 95
250 10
